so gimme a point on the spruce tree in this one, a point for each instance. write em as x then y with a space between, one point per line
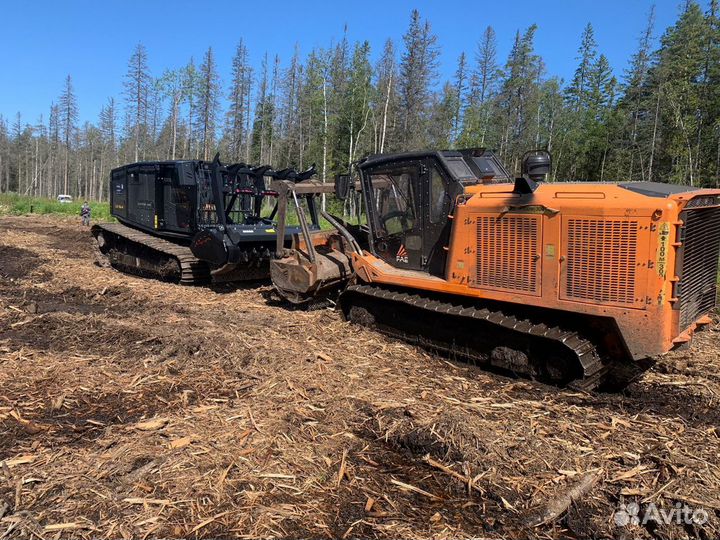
208 103
355 110
311 102
137 87
289 128
190 88
263 117
676 89
386 102
486 71
170 86
708 137
68 118
418 72
54 148
587 56
442 117
235 118
633 108
518 98
600 97
459 91
109 133
483 85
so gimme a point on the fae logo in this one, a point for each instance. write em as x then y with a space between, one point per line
402 255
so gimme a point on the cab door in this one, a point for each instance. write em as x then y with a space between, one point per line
438 194
176 207
394 202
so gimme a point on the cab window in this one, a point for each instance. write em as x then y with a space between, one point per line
438 197
393 194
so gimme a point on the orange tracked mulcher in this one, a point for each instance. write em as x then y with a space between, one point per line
564 282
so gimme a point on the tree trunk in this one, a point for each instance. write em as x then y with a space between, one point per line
654 137
325 141
247 126
94 180
67 165
717 165
301 136
35 163
191 112
79 175
350 146
100 179
176 99
633 143
385 111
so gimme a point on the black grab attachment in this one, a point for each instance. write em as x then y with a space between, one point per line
241 180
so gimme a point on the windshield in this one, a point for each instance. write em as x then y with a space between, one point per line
393 196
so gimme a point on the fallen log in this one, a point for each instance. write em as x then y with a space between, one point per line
557 506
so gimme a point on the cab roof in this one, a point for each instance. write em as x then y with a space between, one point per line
469 166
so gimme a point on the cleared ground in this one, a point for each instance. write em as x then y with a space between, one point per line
137 409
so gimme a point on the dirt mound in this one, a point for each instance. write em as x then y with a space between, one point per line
134 408
16 262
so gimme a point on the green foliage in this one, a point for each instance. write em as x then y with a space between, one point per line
208 104
352 118
518 101
334 207
577 92
676 79
12 203
418 72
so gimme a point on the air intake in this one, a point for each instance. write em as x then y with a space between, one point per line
698 263
601 260
508 253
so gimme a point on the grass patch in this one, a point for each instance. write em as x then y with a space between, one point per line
13 203
334 207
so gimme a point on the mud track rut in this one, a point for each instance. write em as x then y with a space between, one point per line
134 408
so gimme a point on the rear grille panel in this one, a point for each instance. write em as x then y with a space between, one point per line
698 263
601 260
508 253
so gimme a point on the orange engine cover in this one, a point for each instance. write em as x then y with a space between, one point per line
596 250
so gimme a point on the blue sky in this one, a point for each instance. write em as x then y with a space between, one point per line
43 41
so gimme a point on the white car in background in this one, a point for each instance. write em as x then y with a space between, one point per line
64 199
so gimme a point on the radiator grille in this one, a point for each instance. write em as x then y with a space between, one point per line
508 253
698 263
601 260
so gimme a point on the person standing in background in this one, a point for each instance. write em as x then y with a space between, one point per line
85 214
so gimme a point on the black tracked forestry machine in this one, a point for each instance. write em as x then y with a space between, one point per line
193 221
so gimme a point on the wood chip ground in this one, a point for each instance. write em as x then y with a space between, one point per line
131 408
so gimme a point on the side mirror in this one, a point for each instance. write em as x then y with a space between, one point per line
342 186
536 165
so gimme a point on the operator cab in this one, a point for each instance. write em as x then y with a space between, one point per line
409 197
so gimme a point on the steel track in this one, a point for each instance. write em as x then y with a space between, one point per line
192 271
594 368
